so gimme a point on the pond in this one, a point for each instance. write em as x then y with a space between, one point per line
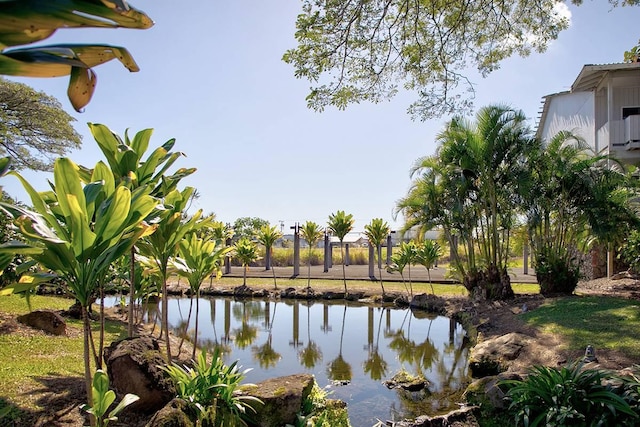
350 349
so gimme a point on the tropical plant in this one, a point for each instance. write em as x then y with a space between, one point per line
404 257
125 158
77 231
202 258
630 251
377 231
210 389
312 233
427 254
574 199
473 190
103 398
267 236
569 396
163 245
18 26
245 251
340 224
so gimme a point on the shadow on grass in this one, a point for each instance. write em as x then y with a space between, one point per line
604 322
59 400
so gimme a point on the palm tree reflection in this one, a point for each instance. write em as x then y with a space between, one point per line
339 370
311 354
265 354
375 365
246 333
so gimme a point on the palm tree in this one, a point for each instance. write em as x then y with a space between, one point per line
427 253
404 257
479 174
340 225
377 231
76 60
312 233
576 196
267 236
202 258
77 231
245 250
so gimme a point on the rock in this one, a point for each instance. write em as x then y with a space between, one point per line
282 398
492 356
332 295
464 417
133 366
354 296
242 291
429 303
174 414
45 320
486 392
406 382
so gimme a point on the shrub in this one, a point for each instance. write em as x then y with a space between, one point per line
557 273
570 396
209 389
630 251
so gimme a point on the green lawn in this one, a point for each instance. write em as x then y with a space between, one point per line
605 323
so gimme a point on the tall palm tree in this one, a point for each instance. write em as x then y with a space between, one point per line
340 225
267 236
245 251
377 231
427 253
480 174
312 233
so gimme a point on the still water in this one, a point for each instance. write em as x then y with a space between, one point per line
350 349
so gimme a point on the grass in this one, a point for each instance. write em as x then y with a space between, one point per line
605 323
27 360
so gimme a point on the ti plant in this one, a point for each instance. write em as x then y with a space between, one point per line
103 398
209 388
27 21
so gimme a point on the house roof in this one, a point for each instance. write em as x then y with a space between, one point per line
591 75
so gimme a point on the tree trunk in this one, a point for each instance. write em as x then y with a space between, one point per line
87 362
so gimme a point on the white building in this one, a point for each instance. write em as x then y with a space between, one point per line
603 107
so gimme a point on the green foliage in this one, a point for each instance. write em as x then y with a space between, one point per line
248 227
209 388
17 27
557 272
340 224
630 251
318 411
633 54
103 398
36 129
427 254
569 396
406 255
312 233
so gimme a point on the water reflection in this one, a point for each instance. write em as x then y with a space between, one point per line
366 345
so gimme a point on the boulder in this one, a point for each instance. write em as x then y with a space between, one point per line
407 382
133 366
464 417
492 356
487 393
282 398
428 302
45 320
174 414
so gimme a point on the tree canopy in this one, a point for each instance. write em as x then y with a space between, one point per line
362 50
34 129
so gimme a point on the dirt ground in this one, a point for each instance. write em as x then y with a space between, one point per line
59 398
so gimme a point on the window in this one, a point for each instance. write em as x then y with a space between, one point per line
630 111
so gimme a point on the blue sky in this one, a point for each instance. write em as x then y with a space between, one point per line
212 77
